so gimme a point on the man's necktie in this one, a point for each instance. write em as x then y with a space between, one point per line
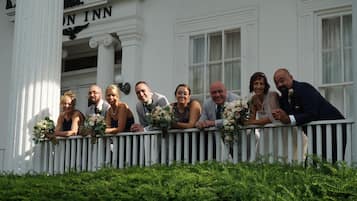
219 111
96 110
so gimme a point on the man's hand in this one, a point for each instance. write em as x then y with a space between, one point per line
281 115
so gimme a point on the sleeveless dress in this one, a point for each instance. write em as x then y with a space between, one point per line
66 125
181 117
129 122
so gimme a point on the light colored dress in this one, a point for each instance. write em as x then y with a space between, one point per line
264 110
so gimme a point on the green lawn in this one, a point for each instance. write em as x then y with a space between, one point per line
208 181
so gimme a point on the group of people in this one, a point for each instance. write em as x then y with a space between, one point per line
297 104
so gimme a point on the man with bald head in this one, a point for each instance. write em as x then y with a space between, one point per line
301 103
213 107
96 104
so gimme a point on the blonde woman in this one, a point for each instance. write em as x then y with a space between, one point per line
119 117
70 119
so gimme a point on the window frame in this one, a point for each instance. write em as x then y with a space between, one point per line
222 61
343 85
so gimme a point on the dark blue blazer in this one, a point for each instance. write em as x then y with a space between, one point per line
307 104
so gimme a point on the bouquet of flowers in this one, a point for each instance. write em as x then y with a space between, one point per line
161 117
234 115
93 125
43 129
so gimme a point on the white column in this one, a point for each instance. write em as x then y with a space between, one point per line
131 67
106 52
354 67
36 71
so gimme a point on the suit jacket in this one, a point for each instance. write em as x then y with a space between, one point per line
103 107
157 100
307 104
209 109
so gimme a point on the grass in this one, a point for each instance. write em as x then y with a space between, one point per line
206 181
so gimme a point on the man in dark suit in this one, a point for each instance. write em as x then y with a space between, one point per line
301 103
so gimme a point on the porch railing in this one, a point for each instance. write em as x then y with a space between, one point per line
276 142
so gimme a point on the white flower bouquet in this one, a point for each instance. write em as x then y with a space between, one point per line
93 125
161 117
44 129
234 115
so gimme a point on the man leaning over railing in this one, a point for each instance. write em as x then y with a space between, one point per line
301 103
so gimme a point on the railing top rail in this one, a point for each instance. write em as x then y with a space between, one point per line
190 130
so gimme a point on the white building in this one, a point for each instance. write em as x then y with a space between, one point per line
165 42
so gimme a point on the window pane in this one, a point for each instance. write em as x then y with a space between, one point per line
198 46
331 63
214 73
196 80
331 56
232 45
347 47
232 75
215 45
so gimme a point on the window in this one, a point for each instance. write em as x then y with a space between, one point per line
215 56
336 58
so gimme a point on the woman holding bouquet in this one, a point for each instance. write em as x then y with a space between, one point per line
186 111
70 119
119 117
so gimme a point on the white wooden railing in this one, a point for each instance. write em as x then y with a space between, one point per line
276 142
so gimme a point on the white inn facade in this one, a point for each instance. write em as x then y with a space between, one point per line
48 47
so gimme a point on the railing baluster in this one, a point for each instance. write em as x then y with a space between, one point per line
128 151
142 151
46 157
178 147
310 141
73 154
299 144
147 150
328 135
79 154
114 149
244 148
252 141
52 159
121 151
348 155
85 155
135 150
194 147
170 147
186 147
318 140
339 141
100 147
202 147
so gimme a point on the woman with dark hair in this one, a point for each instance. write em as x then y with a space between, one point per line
70 119
263 101
186 111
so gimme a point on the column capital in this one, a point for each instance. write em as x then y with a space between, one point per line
104 39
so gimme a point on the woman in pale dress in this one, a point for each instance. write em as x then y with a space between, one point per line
261 105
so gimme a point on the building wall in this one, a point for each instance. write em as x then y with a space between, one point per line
276 39
6 39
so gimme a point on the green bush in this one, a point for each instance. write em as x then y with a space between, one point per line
206 181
